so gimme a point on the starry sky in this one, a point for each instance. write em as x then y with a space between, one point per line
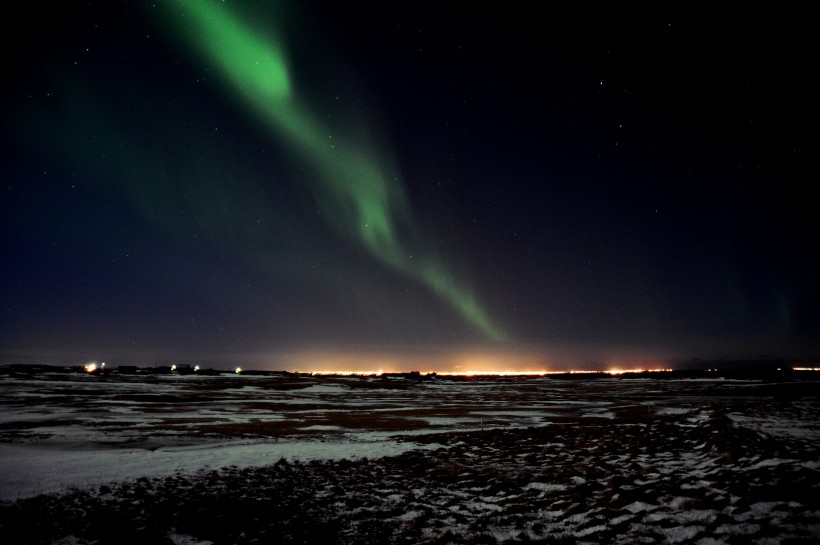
408 186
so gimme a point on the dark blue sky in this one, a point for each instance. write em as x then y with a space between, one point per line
604 185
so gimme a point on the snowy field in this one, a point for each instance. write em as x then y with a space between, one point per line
298 459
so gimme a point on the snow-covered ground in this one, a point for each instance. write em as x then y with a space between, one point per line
192 459
63 431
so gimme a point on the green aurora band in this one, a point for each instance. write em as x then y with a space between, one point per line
352 188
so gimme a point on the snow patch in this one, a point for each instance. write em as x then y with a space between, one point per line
545 487
182 539
638 506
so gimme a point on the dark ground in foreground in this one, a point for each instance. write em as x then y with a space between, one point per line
700 479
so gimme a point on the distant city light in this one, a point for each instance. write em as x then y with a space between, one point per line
345 373
196 368
238 370
90 367
622 371
492 373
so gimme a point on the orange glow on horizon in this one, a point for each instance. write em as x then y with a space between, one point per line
493 373
622 371
455 361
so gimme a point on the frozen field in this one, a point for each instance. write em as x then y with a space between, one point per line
294 459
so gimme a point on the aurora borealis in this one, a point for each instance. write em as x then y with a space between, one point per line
359 197
273 183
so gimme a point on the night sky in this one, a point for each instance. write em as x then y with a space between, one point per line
399 186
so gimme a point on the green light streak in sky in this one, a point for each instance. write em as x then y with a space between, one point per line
356 194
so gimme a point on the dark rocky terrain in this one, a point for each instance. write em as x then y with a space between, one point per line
741 467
